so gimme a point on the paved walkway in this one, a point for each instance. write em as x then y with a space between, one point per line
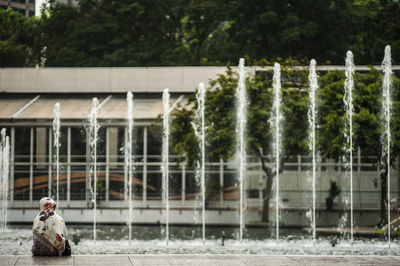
201 260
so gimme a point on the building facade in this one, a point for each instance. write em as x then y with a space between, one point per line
25 7
27 101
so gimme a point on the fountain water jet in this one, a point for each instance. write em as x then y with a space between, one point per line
129 117
312 77
2 179
4 171
93 130
348 103
386 136
275 122
57 145
241 143
165 159
200 134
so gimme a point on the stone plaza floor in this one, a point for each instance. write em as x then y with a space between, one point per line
201 260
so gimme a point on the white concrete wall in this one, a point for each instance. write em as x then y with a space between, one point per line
292 218
105 80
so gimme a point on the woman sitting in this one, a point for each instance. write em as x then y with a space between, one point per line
49 231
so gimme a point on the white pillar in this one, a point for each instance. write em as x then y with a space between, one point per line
31 169
87 189
69 165
12 159
125 167
107 163
221 181
50 160
183 183
144 195
299 188
359 175
319 178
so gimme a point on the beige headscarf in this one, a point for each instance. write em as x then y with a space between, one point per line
48 227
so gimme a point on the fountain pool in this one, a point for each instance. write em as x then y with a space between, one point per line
188 240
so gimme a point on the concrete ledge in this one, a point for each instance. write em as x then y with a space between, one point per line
201 260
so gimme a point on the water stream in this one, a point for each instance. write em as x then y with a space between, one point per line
348 104
312 77
165 160
129 117
4 171
57 145
386 136
93 130
276 118
241 142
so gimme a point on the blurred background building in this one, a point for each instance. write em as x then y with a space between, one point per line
25 7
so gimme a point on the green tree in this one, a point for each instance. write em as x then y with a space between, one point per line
221 121
17 39
367 122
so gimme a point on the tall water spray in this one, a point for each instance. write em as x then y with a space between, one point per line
165 160
2 198
241 143
275 121
4 171
312 77
57 145
348 103
199 129
386 136
129 117
93 130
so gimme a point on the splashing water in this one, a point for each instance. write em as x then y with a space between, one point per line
200 134
312 77
165 159
93 130
57 145
129 117
386 136
4 171
241 145
348 158
275 123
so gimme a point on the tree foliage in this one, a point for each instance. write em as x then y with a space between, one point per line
221 120
17 39
192 32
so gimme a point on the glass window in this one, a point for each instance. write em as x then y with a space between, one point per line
117 163
62 165
78 163
22 159
154 140
40 186
78 144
